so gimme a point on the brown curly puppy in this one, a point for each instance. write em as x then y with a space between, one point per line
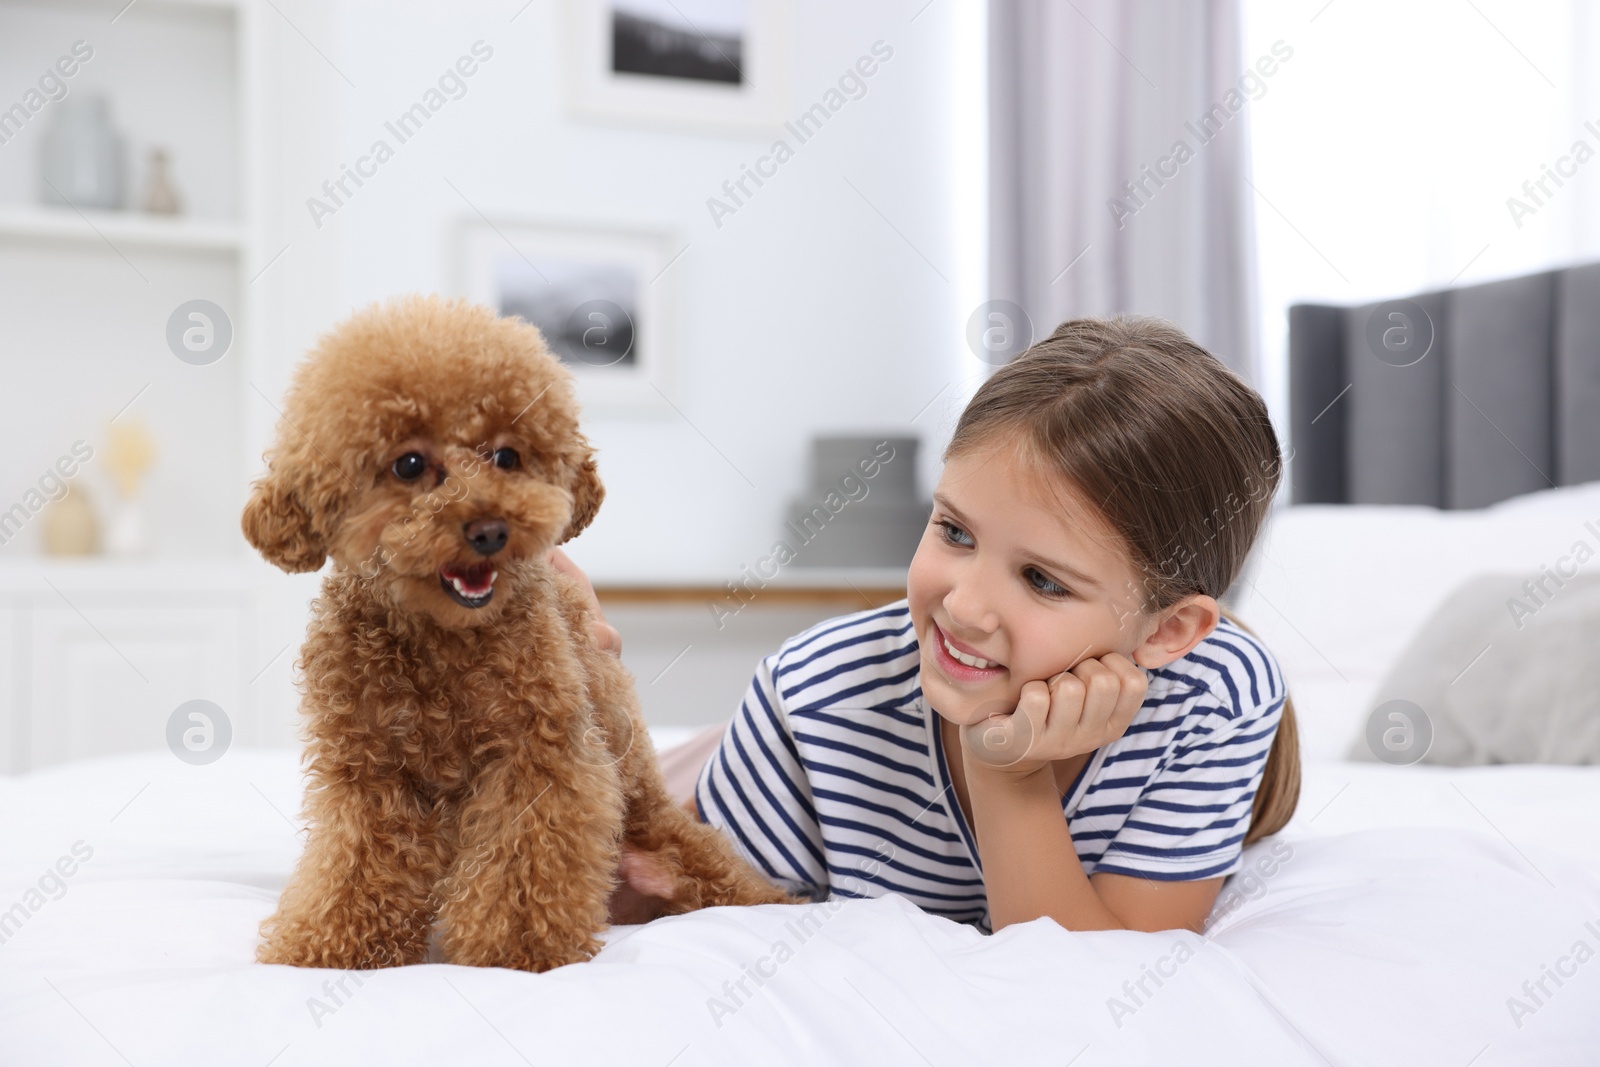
475 759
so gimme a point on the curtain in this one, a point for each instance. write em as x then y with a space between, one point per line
1119 165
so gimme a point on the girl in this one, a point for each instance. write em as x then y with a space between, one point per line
1057 720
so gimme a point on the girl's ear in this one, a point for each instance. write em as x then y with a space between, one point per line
278 525
1182 626
587 493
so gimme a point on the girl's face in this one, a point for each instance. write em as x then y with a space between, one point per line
1019 578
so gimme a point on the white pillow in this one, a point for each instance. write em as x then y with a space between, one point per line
1578 502
1338 590
1503 672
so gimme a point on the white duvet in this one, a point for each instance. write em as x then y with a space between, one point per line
1407 916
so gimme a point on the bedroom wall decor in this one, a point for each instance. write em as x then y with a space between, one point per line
711 64
602 298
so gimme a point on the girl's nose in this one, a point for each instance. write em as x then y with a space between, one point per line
969 605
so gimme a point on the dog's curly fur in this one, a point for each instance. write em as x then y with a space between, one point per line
474 767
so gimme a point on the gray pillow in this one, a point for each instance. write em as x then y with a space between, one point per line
1504 671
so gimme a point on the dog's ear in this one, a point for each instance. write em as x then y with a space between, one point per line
280 528
587 493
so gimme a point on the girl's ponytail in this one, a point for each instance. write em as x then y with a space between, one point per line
1279 792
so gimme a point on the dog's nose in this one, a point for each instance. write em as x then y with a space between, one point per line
487 536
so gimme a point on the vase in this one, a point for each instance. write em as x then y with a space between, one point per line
161 194
81 157
70 528
125 530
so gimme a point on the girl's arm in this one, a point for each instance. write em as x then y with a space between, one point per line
1030 866
645 883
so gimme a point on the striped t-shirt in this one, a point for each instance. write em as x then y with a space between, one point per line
833 775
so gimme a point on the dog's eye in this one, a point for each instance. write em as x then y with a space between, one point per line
507 459
409 467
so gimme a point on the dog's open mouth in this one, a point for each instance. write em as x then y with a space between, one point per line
471 587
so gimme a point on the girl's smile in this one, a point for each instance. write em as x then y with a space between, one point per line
960 662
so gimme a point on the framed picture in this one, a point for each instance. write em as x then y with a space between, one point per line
720 64
601 297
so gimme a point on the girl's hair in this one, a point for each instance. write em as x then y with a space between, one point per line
1173 449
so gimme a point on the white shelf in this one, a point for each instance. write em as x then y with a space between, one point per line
120 228
117 8
789 577
851 587
102 574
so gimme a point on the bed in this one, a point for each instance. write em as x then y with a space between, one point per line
1389 924
1408 914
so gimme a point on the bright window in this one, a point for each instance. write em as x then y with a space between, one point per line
1385 151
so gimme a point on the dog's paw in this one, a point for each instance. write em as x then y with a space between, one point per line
303 954
518 958
335 953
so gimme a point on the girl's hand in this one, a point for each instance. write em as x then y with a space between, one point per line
605 635
1078 711
646 884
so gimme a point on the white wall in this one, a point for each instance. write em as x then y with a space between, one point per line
805 312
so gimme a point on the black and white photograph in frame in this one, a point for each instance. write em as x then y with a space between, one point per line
599 296
711 64
697 40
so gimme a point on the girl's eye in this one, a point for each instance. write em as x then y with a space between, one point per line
507 459
409 467
953 534
1041 583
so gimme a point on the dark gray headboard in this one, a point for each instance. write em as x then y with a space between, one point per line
1505 400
